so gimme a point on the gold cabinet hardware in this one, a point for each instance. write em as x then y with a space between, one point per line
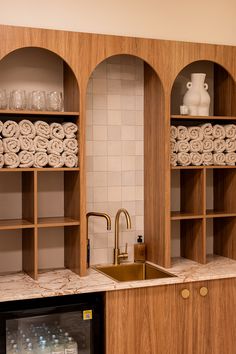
185 293
203 291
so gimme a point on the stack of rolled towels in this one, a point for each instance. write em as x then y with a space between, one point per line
27 144
206 144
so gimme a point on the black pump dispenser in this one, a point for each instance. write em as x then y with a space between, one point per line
140 239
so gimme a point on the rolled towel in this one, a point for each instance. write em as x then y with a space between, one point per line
219 145
26 144
207 130
1 160
230 158
208 145
40 159
219 158
182 133
195 133
56 131
230 131
1 126
207 158
70 129
173 145
70 160
26 159
11 160
183 159
10 129
55 160
182 146
42 129
218 132
1 147
230 145
173 159
11 145
196 158
27 128
70 145
40 144
196 145
55 146
173 132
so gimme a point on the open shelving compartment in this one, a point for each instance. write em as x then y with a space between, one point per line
38 68
203 209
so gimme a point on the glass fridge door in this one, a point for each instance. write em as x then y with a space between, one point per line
64 333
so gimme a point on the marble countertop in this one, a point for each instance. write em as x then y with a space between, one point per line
20 286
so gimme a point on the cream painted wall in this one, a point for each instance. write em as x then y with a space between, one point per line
211 21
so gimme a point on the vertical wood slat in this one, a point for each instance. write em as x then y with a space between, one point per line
30 236
158 244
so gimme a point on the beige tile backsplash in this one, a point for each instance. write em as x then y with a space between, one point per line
115 152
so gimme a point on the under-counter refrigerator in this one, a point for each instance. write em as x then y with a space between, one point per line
69 324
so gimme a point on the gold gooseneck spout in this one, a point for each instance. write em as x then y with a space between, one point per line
117 254
103 215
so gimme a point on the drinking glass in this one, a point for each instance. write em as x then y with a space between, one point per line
3 99
37 100
55 101
17 99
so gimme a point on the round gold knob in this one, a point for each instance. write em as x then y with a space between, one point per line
185 293
203 291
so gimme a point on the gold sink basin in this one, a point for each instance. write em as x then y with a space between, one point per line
133 271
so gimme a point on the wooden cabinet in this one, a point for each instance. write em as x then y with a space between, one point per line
159 320
80 53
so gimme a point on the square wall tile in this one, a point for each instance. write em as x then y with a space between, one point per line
100 132
114 179
127 132
99 194
99 148
99 86
99 101
113 71
114 86
100 179
114 163
114 148
100 163
114 194
99 117
128 178
114 133
128 148
114 102
114 117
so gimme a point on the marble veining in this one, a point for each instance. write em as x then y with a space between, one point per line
20 286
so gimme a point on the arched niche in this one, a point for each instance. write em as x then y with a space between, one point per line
34 68
221 87
125 154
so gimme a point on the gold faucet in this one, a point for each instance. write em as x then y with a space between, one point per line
117 254
103 215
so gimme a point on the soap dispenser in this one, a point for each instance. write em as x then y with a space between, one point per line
139 250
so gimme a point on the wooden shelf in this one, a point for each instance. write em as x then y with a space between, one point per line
178 215
14 224
9 112
218 214
183 117
57 222
201 167
43 169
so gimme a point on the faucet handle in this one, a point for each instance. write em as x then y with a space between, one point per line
126 247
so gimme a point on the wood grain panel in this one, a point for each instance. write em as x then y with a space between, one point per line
192 191
192 240
225 237
28 195
154 161
213 327
224 184
148 321
30 252
224 92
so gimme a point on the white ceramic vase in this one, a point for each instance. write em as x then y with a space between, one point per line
197 99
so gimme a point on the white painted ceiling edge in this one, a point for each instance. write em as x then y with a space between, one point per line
211 21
